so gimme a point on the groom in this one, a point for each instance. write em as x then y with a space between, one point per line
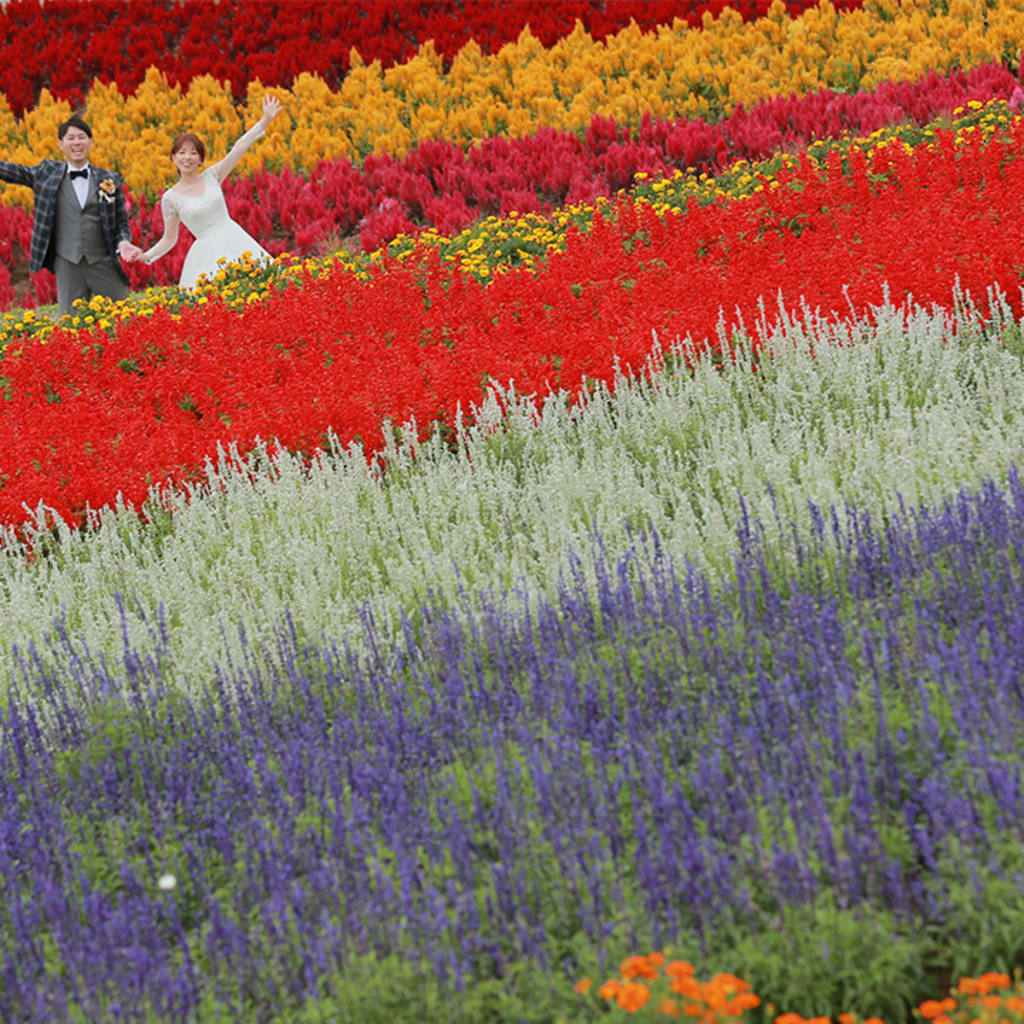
80 228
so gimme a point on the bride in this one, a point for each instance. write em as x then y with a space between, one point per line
197 202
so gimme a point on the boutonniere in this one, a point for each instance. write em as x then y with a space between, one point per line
107 190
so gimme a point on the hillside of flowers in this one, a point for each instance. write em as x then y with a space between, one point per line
441 137
580 579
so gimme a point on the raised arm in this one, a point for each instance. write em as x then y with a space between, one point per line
167 240
271 108
18 174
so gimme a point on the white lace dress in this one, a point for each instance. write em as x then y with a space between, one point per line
218 237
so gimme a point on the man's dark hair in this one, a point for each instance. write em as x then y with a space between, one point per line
73 122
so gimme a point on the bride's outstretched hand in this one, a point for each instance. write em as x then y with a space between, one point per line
271 108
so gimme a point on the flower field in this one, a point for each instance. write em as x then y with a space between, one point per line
581 579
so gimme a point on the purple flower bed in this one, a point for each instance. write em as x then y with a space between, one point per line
507 792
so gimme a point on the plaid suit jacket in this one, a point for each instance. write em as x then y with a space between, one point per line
44 179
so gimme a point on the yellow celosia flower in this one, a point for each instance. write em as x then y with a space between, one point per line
670 73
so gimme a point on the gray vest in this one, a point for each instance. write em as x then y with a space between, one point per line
77 231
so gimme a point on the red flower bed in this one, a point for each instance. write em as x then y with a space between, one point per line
63 45
87 417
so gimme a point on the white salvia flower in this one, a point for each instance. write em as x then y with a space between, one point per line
899 403
166 882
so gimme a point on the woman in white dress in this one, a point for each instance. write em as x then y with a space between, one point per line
198 202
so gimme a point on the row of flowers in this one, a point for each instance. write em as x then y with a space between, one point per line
92 415
442 190
233 854
671 988
667 74
63 45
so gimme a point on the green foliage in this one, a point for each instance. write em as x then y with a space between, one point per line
984 927
371 989
824 960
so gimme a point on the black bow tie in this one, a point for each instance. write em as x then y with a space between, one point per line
83 173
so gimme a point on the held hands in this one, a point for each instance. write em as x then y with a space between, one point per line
129 253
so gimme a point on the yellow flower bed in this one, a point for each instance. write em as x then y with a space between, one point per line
674 72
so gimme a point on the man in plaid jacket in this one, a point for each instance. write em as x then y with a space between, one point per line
80 228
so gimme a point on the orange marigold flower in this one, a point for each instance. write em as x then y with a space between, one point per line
746 1001
637 967
610 989
930 1008
948 1004
996 979
693 1010
874 1020
789 1018
731 983
582 986
657 958
627 967
716 996
633 995
991 1002
668 1007
678 968
684 985
847 1018
983 985
1015 1004
818 1020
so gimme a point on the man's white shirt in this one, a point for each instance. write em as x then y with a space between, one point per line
80 184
